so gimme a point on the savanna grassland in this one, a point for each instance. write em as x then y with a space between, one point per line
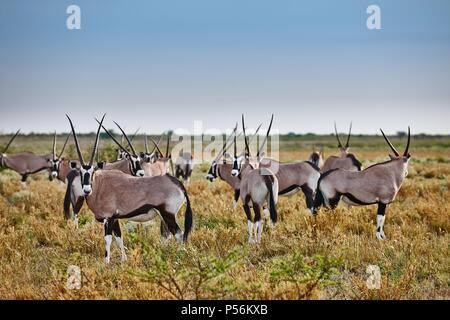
301 258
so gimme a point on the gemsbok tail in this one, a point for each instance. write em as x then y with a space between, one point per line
269 181
188 213
319 199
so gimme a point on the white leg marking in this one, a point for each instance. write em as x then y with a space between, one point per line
260 230
122 248
179 236
380 226
108 240
266 213
75 220
250 231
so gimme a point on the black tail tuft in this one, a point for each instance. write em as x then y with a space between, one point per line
268 179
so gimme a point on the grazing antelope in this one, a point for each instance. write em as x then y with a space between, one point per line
112 195
377 184
259 185
316 157
60 166
184 166
347 160
25 163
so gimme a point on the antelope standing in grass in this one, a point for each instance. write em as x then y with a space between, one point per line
151 157
25 163
112 195
377 184
347 160
184 166
293 177
259 186
159 164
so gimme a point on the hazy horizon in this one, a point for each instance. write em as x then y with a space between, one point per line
159 65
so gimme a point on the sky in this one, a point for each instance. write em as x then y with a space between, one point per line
162 65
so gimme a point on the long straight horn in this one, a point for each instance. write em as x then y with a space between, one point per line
169 133
406 153
156 146
126 137
113 139
265 139
235 147
349 134
135 134
10 141
77 145
54 145
245 136
64 146
226 145
97 138
146 143
337 136
389 143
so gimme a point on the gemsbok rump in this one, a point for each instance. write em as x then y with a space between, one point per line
112 195
377 184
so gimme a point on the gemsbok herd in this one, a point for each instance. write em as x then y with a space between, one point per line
137 186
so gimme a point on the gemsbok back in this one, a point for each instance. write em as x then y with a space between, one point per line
347 160
112 195
377 184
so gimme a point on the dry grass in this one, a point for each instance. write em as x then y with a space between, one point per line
322 258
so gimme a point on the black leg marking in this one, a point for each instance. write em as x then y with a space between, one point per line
307 191
257 211
24 177
170 221
247 209
237 193
116 228
164 229
381 209
335 201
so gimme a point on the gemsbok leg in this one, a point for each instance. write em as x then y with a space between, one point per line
118 235
380 221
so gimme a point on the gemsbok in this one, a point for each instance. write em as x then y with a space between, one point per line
259 185
223 170
347 160
184 166
112 195
293 177
25 163
377 184
130 164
